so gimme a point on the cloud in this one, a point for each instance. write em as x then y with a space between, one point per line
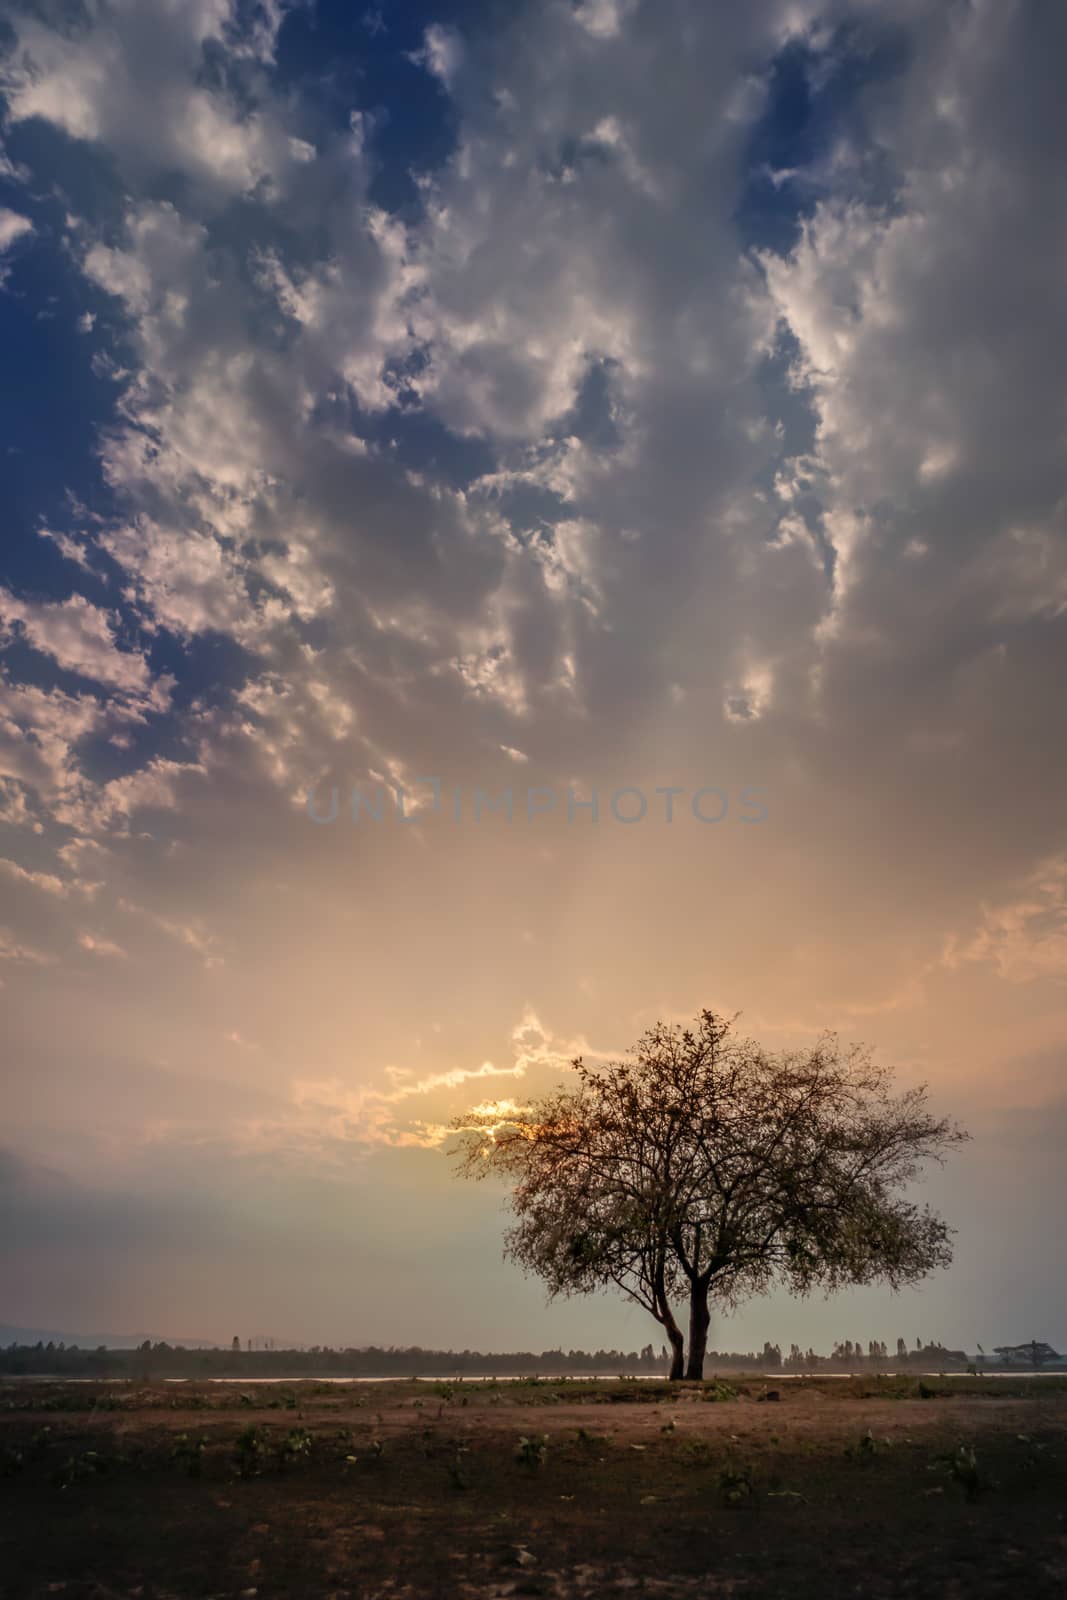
441 53
603 18
130 80
1025 938
936 463
98 946
12 226
185 581
78 636
47 882
67 546
12 950
40 730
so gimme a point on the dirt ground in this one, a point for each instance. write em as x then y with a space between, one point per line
875 1488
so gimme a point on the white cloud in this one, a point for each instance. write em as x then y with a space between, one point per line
78 636
46 882
154 787
12 226
185 581
96 945
603 19
14 806
67 546
129 78
12 950
441 53
1024 938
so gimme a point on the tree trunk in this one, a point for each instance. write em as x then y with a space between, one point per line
665 1317
677 1353
699 1323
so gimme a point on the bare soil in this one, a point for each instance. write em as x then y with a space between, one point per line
874 1488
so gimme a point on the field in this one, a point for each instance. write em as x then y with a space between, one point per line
866 1487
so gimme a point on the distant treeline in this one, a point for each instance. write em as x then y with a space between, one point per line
162 1360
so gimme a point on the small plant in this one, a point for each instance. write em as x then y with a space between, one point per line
717 1389
735 1485
963 1469
248 1452
77 1468
297 1443
867 1447
11 1462
532 1451
457 1477
189 1453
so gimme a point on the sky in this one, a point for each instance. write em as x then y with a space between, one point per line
412 404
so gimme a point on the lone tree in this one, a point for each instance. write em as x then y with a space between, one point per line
703 1168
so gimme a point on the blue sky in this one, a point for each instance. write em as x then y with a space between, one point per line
591 393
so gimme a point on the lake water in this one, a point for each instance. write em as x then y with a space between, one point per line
610 1377
525 1377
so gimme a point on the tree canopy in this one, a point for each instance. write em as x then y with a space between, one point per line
703 1168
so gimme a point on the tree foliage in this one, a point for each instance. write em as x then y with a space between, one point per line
705 1168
